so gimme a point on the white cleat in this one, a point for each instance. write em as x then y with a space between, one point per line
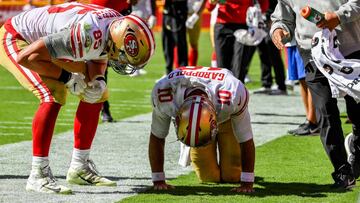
44 181
87 175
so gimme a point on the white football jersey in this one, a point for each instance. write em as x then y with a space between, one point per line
227 93
142 9
86 26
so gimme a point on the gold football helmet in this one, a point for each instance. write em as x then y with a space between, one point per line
131 44
195 122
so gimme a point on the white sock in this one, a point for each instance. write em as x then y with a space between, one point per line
213 63
79 157
38 162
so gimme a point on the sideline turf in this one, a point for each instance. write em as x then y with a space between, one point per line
288 169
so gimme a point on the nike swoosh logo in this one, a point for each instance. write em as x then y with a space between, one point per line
314 131
350 183
75 86
57 190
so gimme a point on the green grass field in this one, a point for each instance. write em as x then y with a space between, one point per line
289 169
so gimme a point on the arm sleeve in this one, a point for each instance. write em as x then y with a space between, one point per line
58 45
160 124
283 17
241 126
349 11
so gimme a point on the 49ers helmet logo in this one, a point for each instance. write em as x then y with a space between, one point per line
131 45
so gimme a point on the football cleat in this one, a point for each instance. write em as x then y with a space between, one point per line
343 178
131 45
195 122
44 181
351 158
87 175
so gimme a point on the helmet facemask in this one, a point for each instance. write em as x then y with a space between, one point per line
195 122
120 64
131 44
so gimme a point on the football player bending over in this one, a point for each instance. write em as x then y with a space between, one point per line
210 110
53 49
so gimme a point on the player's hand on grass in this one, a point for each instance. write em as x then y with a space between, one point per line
279 36
245 187
162 185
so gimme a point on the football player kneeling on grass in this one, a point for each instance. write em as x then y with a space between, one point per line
209 107
53 49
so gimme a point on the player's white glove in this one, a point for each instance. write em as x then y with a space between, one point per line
95 89
76 84
190 22
151 21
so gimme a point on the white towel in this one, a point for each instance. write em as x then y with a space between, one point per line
343 74
184 158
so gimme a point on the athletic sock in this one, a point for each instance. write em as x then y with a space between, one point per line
43 127
213 59
193 56
85 124
176 59
79 157
38 163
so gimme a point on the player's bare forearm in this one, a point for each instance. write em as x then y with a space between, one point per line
156 153
71 66
248 162
156 157
248 156
96 68
36 57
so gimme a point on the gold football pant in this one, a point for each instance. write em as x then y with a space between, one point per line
205 159
45 89
194 34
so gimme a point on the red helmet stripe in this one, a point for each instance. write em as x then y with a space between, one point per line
194 121
188 137
149 34
198 123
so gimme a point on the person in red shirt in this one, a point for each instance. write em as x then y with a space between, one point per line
122 6
231 17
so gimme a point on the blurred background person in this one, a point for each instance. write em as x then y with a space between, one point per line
124 7
145 9
193 25
174 33
231 17
296 71
270 58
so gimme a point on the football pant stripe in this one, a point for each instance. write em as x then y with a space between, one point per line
11 50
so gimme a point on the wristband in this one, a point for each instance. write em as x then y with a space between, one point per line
99 78
247 177
64 76
158 176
